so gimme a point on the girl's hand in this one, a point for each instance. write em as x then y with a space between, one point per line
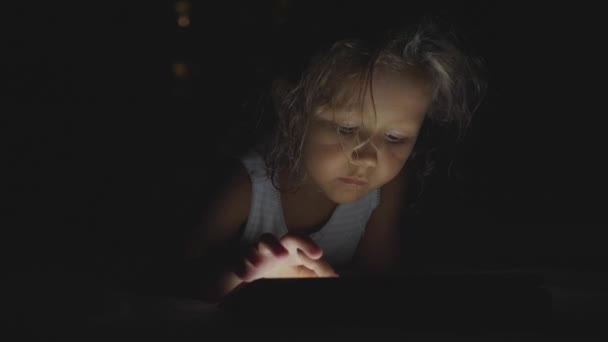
293 256
306 261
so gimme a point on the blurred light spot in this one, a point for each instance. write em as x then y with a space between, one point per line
183 21
181 70
182 7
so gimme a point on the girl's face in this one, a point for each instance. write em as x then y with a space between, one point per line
386 136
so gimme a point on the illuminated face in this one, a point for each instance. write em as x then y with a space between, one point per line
348 153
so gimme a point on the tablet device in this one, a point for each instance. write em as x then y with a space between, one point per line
421 299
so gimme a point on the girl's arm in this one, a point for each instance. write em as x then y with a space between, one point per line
215 264
378 250
212 248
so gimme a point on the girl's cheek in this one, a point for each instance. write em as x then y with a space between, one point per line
323 151
397 152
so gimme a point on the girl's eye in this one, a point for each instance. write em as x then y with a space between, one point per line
346 130
393 139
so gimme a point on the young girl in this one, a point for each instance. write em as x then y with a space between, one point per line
322 196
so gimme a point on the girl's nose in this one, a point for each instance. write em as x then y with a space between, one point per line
366 155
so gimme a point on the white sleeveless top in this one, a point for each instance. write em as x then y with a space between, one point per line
338 238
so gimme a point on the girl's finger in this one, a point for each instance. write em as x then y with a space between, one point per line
245 271
270 245
305 272
294 242
321 267
254 256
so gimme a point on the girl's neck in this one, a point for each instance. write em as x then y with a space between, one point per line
308 194
307 209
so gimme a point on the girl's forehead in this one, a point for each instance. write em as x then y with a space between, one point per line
391 98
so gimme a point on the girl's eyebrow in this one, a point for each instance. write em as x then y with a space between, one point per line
401 123
346 117
325 121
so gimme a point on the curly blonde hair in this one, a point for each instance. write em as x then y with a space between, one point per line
327 82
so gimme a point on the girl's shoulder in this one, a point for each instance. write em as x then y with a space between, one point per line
254 163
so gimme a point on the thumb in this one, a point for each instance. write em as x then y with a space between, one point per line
321 267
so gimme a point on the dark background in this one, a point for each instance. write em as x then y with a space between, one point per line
111 156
